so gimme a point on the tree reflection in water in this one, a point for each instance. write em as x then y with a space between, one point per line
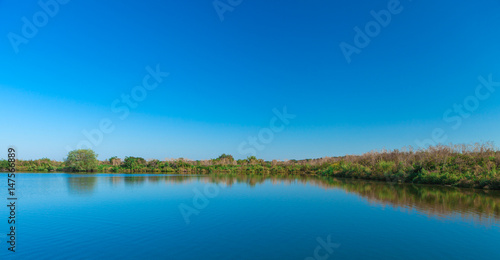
82 184
480 206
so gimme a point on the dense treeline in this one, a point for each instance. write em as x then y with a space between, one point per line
474 166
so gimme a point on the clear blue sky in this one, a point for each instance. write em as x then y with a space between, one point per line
226 76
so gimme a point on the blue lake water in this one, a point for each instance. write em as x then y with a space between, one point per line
124 216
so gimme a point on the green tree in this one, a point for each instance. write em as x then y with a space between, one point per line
251 159
4 164
226 156
83 160
224 159
111 159
134 162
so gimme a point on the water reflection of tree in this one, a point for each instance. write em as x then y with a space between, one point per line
478 205
82 184
433 200
115 180
481 206
155 178
134 179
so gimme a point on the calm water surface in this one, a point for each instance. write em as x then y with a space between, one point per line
114 216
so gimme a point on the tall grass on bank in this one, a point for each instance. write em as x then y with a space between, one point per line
472 166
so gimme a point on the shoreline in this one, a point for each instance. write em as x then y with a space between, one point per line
465 166
341 176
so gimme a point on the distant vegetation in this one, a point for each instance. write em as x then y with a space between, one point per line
472 166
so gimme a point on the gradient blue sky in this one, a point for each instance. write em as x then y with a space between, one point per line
227 76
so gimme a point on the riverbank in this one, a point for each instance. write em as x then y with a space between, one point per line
467 166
